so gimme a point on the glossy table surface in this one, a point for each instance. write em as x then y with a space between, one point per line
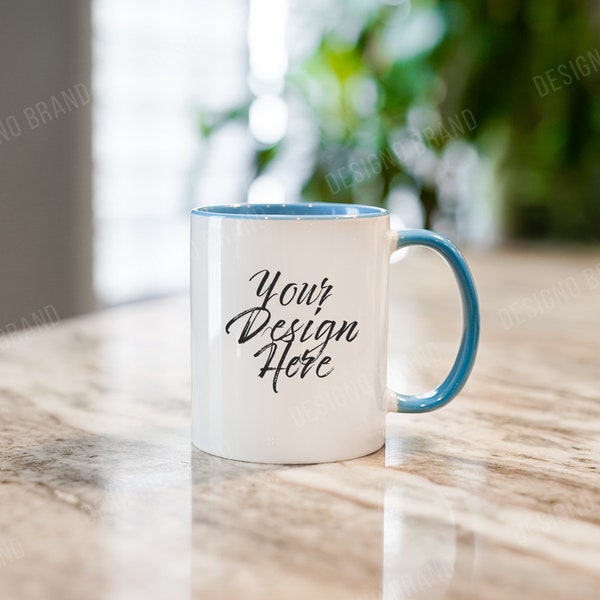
496 496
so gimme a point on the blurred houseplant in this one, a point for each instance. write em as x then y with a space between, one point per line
392 86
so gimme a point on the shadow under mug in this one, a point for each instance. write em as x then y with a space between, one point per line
289 306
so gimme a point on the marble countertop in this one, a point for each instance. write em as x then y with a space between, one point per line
496 496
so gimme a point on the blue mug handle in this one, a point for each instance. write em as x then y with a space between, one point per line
465 358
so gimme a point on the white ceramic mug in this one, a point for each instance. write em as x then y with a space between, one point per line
289 330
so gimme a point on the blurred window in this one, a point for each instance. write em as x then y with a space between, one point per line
155 65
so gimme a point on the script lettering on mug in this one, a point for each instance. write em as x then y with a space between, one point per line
294 347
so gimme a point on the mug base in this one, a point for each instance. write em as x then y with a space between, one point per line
289 460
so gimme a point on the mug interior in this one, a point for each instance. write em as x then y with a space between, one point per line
313 210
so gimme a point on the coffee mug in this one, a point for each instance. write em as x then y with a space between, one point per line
289 307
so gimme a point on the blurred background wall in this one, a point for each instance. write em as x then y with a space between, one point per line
477 118
45 160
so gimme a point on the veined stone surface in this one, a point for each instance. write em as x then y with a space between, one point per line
495 496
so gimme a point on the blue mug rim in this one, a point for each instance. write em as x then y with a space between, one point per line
291 211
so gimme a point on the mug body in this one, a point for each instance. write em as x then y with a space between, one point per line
289 331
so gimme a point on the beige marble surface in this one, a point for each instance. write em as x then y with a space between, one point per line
496 496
